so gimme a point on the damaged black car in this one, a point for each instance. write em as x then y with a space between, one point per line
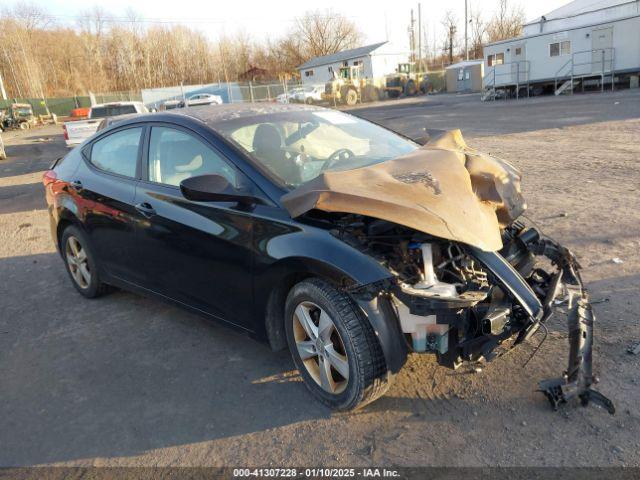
318 231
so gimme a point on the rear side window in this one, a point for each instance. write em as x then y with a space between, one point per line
112 111
118 152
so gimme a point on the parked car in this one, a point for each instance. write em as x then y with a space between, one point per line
288 96
318 231
204 99
76 132
309 95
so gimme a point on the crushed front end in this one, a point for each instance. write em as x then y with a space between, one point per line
465 304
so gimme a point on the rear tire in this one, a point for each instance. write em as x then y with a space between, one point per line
344 367
81 263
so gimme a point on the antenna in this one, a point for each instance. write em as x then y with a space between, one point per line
386 25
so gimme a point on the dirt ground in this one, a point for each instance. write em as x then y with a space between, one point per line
125 380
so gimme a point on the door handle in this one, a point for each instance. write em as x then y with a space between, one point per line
145 209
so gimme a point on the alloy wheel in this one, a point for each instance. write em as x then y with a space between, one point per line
320 347
78 262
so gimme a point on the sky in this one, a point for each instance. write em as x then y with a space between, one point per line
378 20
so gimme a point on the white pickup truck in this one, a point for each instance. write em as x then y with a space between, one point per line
78 131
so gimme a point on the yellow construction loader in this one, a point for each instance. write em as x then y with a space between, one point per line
406 80
349 86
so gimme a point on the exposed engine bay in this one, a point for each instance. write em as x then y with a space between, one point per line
465 305
469 278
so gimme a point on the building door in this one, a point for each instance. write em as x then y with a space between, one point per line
466 82
460 84
601 50
519 70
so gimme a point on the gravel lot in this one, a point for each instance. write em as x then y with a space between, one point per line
125 380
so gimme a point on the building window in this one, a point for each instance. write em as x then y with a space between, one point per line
308 73
345 63
460 74
495 59
518 51
560 48
357 62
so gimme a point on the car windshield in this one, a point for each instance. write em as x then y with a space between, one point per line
295 147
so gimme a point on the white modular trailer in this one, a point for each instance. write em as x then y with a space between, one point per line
376 61
569 43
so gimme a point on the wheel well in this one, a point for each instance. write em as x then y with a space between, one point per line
274 315
62 225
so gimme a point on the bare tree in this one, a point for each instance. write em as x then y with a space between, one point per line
28 14
478 34
450 23
105 53
324 33
506 23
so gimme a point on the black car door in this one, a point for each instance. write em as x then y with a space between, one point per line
104 191
195 253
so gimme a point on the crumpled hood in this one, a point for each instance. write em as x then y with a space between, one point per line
444 188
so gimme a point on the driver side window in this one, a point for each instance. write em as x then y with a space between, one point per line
175 155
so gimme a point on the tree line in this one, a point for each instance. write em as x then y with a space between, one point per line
41 57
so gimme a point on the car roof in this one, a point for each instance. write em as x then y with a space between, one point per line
213 115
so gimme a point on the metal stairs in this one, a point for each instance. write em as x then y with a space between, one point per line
488 94
568 85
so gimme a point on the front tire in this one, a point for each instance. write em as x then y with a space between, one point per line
351 97
410 88
334 347
81 263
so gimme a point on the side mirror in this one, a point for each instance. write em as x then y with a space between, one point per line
215 188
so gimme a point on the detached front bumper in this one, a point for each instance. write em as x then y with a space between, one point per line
578 379
538 296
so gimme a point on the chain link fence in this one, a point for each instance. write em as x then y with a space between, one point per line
232 92
62 106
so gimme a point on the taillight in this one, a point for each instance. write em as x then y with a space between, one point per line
49 177
64 132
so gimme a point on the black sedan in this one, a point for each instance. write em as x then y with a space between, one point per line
318 231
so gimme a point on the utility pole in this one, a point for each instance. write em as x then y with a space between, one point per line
412 40
419 37
452 32
466 26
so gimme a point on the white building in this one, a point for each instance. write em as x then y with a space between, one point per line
377 60
583 43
